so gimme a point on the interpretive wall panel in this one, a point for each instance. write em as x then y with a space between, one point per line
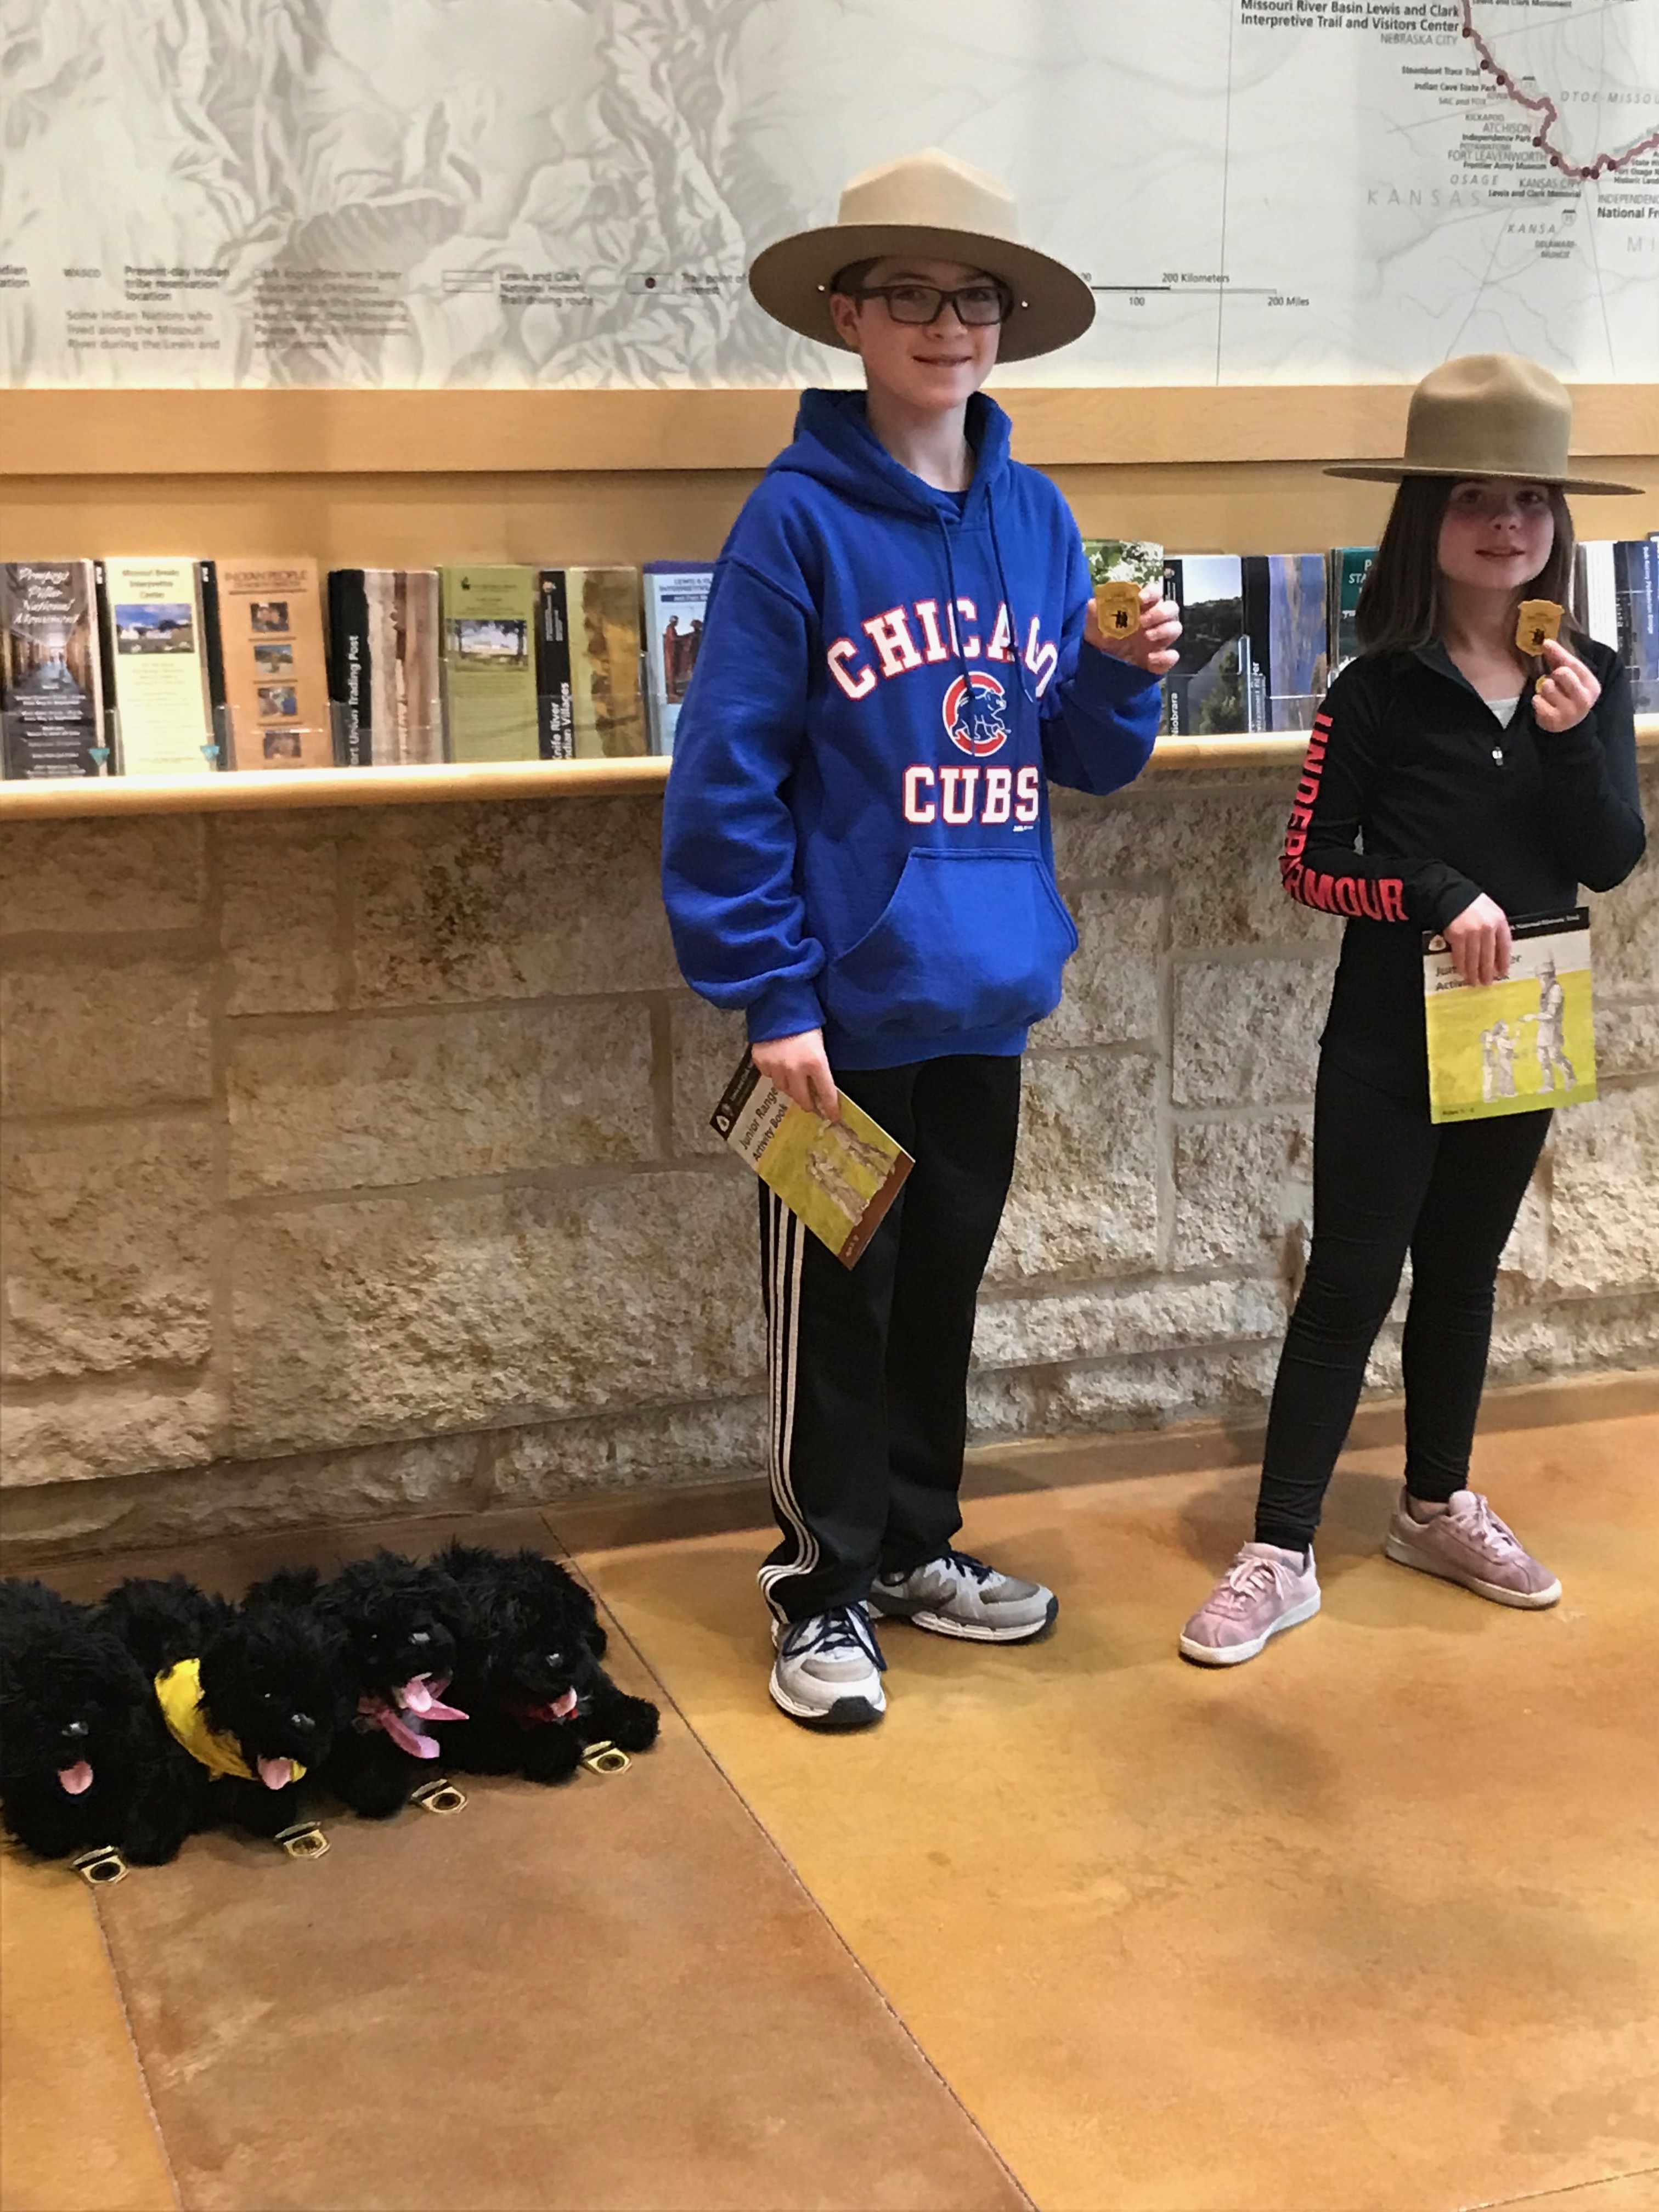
527 193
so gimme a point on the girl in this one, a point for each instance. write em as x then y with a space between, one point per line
1479 786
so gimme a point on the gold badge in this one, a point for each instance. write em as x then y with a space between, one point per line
1537 620
1117 603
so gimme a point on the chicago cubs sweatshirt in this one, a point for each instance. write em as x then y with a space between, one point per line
855 834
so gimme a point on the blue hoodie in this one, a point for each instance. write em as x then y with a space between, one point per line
855 836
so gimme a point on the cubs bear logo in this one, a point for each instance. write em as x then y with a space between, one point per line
974 713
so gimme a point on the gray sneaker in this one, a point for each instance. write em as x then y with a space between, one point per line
956 1594
828 1671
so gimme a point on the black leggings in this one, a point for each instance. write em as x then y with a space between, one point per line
1387 1181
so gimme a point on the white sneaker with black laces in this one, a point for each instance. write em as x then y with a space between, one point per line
956 1594
828 1671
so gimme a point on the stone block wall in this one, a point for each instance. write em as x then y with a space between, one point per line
359 1161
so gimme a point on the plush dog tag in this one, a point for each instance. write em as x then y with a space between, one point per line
1117 603
304 1841
439 1795
101 1867
1538 622
605 1758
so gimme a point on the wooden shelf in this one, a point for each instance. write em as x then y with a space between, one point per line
250 790
88 432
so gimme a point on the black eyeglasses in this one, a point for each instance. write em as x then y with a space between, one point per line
976 305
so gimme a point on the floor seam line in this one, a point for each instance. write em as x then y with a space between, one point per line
1563 2189
815 1904
138 2057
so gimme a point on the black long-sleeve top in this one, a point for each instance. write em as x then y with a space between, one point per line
1414 799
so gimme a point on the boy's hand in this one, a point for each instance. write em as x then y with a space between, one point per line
800 1068
1566 693
1153 645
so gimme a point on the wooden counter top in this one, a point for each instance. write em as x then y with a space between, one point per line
255 789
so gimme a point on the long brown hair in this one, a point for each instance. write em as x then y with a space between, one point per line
1399 600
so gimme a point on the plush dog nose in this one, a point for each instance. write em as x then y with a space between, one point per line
76 1728
419 1635
304 1723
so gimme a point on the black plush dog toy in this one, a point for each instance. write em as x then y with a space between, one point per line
527 1670
80 1737
400 1625
251 1698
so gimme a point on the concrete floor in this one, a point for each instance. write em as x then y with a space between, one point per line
1372 1923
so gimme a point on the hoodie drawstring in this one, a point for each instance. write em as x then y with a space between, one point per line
1016 638
1015 643
953 617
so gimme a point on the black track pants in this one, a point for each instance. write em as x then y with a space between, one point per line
868 1365
1387 1181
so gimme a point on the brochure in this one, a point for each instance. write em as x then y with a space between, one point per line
840 1177
1513 1047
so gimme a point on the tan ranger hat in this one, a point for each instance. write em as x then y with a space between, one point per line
1486 415
930 204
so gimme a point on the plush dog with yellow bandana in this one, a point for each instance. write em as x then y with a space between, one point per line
250 1698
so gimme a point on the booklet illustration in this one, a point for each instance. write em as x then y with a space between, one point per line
1520 1045
840 1177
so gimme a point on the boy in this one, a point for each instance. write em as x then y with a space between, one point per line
900 641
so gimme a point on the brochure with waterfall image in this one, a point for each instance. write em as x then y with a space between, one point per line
1285 620
839 1177
1207 693
1517 1046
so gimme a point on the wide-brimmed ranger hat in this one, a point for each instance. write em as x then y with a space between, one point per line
1487 414
933 206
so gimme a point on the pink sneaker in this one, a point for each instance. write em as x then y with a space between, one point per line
1266 1589
1468 1544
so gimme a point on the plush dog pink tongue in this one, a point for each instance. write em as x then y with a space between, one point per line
276 1773
77 1778
415 1703
423 1694
528 1713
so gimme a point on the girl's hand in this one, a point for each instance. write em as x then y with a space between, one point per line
1566 693
800 1068
1153 645
1479 942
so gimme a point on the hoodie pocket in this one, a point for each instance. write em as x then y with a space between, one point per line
967 941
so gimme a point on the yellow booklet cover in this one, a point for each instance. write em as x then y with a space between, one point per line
1513 1047
840 1177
